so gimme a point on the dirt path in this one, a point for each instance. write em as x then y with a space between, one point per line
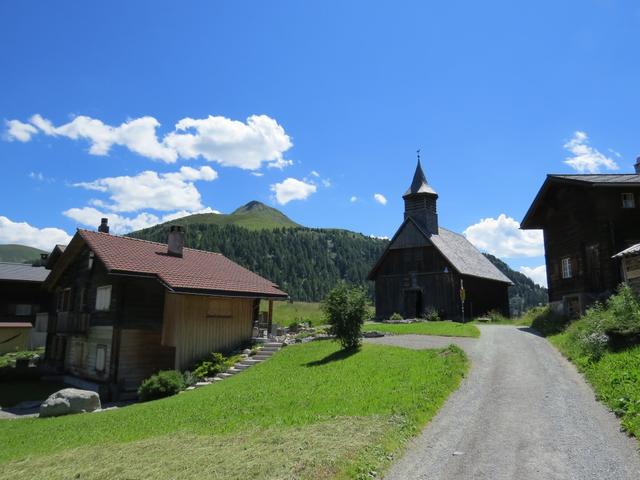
523 413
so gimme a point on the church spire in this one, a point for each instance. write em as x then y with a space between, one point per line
419 183
420 202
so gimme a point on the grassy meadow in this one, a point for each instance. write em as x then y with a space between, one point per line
312 411
441 328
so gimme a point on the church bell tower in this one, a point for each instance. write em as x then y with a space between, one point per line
420 202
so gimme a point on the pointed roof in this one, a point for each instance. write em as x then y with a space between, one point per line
419 183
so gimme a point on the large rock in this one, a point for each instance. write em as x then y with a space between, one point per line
70 400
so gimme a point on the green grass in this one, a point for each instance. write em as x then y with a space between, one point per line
285 313
443 328
615 378
309 412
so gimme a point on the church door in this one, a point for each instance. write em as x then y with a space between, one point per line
412 303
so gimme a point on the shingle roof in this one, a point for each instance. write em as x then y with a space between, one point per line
632 250
602 179
419 183
22 272
458 251
196 270
464 257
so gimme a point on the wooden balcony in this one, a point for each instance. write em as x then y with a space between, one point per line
71 323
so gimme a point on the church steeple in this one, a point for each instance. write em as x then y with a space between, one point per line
420 202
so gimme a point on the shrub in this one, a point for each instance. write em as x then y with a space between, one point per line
345 308
212 365
189 378
547 321
294 326
163 384
622 321
430 315
395 316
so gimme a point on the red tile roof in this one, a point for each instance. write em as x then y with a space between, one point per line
197 270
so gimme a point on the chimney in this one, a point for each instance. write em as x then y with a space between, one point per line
637 165
104 227
44 256
175 243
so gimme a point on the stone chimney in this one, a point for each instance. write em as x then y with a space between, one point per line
175 242
104 225
637 165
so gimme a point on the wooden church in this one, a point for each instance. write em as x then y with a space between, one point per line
425 267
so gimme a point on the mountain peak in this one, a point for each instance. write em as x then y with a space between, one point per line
252 206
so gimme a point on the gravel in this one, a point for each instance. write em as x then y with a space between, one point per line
522 413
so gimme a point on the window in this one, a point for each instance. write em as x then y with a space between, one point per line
101 357
628 200
64 300
23 310
103 298
567 270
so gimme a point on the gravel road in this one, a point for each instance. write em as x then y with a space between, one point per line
522 413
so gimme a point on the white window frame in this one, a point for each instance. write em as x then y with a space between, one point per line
567 267
628 200
101 358
103 298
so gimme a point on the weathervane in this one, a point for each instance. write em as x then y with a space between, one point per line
418 152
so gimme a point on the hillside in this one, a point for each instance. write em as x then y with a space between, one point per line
253 216
305 262
525 293
19 253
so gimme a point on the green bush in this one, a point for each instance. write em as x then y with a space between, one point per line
163 384
395 316
546 321
211 366
345 308
294 326
189 378
623 313
431 316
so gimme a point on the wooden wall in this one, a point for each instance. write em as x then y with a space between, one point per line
80 354
198 325
141 355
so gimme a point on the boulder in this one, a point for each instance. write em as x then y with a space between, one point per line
70 400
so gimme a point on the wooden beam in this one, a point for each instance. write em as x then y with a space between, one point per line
270 323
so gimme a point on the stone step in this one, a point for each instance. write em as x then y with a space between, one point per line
269 349
272 344
240 366
260 356
250 361
234 370
225 375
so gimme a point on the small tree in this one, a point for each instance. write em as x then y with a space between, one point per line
345 308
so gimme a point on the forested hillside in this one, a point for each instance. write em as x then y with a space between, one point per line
525 293
305 262
19 253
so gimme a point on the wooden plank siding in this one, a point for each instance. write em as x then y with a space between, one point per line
197 325
141 355
80 355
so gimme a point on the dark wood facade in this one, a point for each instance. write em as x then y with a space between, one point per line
586 220
113 343
425 267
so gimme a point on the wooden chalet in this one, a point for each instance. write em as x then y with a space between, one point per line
425 266
23 305
127 308
586 220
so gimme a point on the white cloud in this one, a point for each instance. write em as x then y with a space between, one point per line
502 237
164 191
585 158
315 174
381 199
537 274
90 217
248 145
257 174
353 199
24 234
292 189
16 130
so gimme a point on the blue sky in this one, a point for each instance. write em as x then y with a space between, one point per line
311 104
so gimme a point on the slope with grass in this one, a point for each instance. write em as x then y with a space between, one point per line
19 253
312 411
615 377
443 328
